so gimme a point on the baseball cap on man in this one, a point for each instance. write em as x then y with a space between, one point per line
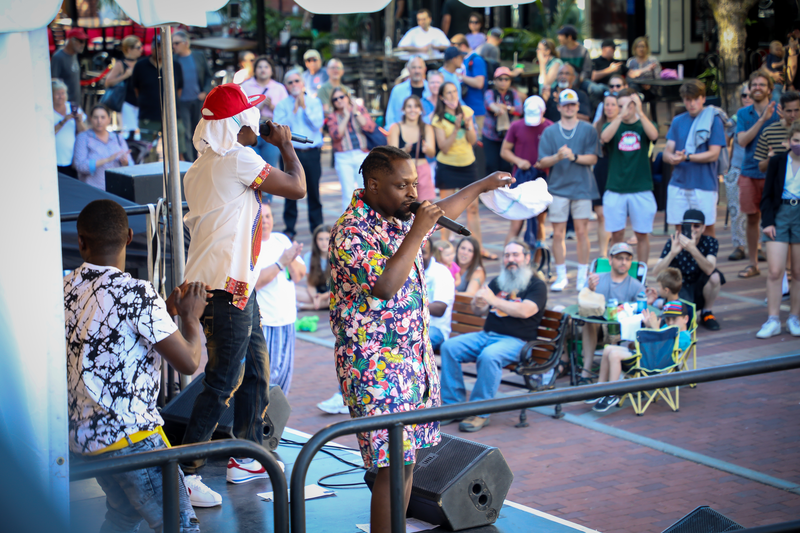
534 110
77 33
674 308
694 216
607 43
227 100
312 53
568 96
621 248
568 31
226 110
452 52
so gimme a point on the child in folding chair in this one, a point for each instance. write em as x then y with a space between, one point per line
619 359
668 283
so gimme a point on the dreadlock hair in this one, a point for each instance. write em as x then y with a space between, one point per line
379 162
103 226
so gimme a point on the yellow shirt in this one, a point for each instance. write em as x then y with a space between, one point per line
460 153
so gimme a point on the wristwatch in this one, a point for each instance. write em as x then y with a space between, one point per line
688 158
575 158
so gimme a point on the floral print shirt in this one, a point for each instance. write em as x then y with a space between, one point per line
384 359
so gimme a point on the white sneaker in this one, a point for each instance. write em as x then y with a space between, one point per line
769 329
334 405
581 282
559 284
199 494
793 325
242 471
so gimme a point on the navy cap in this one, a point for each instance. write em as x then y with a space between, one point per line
452 52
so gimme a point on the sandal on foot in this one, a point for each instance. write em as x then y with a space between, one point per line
749 272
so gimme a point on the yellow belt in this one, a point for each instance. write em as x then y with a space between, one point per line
126 441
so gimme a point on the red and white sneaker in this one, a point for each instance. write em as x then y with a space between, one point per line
199 494
246 470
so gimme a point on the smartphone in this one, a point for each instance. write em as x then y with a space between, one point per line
686 229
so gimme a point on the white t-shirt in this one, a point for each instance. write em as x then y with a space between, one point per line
419 38
276 299
224 220
65 138
441 288
113 371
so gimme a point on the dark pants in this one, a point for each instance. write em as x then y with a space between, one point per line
238 368
494 162
310 159
69 171
189 115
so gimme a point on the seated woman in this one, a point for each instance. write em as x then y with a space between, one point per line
617 359
97 150
317 294
469 260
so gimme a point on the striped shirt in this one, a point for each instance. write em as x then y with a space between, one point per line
773 136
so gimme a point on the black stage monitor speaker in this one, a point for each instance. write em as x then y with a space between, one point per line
459 484
141 184
704 519
177 412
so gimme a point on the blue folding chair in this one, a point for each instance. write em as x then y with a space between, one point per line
657 352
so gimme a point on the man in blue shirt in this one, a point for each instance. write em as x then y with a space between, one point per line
415 84
474 78
694 183
750 122
303 114
453 60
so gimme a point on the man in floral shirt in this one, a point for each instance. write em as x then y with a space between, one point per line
379 308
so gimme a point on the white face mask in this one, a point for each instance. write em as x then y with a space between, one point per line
563 85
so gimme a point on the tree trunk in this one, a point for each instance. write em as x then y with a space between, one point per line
730 16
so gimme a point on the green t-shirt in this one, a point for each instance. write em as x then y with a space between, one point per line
629 167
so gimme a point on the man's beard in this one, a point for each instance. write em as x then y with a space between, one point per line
402 215
515 280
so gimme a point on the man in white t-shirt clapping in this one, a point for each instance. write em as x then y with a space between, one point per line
280 268
423 38
441 296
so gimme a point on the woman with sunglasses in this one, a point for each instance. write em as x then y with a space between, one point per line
737 218
610 112
549 64
120 72
347 124
475 37
415 138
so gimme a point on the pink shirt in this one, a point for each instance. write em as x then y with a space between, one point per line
274 90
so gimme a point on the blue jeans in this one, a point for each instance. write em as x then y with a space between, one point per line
272 155
437 337
238 368
137 494
491 351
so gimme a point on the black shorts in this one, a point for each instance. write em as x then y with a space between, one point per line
693 292
450 177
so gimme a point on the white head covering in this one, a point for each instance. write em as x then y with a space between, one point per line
220 135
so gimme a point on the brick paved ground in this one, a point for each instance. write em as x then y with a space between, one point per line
615 485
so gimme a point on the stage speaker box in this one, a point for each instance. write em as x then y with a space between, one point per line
177 412
704 519
141 184
458 484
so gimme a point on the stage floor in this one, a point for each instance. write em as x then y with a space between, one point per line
242 510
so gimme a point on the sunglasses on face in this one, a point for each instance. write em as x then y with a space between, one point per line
174 43
338 98
615 86
292 82
745 95
311 59
474 21
504 78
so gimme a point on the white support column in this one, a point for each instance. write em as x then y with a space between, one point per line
33 380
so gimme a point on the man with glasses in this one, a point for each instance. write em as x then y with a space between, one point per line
64 64
303 113
423 38
696 258
335 72
314 76
750 122
196 84
474 77
416 85
566 81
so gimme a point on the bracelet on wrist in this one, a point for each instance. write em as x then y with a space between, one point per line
279 265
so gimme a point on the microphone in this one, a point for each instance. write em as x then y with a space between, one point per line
444 222
264 129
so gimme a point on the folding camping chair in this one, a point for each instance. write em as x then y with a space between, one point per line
656 352
691 328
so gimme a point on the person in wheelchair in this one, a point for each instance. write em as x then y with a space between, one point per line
619 359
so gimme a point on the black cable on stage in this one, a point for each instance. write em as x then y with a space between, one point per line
327 449
341 485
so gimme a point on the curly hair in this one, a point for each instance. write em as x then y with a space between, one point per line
379 162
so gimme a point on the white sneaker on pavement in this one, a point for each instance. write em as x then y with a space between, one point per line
334 405
769 329
199 494
793 325
559 284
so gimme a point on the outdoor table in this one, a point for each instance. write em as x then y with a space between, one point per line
572 311
225 44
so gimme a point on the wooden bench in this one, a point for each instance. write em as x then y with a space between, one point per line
535 358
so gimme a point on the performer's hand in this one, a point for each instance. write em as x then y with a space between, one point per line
279 135
495 180
426 216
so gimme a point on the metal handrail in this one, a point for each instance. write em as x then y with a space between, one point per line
130 210
395 422
168 460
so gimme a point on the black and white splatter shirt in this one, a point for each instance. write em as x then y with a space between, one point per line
113 370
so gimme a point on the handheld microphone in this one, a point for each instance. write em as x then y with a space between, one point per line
264 129
444 222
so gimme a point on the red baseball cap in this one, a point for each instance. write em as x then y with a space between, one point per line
228 100
78 33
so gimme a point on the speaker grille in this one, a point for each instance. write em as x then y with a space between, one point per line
438 466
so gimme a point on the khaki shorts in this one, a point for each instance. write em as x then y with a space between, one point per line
560 209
